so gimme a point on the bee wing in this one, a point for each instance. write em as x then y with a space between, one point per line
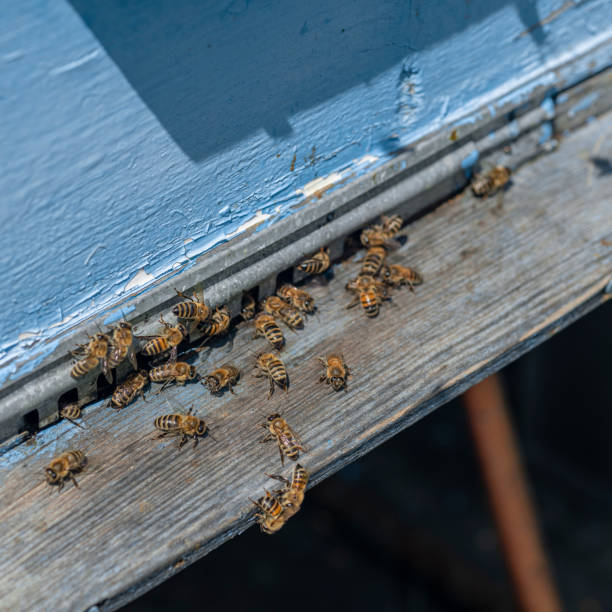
132 357
107 372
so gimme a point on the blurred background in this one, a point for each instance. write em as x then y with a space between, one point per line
408 527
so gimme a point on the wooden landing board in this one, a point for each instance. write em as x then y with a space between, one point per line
500 276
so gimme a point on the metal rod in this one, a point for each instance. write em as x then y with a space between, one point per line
511 503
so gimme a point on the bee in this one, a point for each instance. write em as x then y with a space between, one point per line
184 425
122 346
291 496
71 412
272 517
486 184
378 236
317 264
373 261
288 314
336 371
194 309
169 340
172 371
396 276
289 445
392 224
266 326
225 376
272 367
248 306
64 467
95 352
217 325
126 392
298 298
370 293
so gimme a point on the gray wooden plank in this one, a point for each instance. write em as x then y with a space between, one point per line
500 276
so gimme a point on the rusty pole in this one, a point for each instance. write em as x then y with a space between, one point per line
510 501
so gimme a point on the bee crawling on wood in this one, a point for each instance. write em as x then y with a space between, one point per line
271 366
488 183
317 263
126 392
225 376
217 325
172 372
291 496
95 351
184 425
336 371
378 236
396 276
392 224
373 261
169 340
122 346
249 306
369 292
64 467
265 325
289 445
272 517
71 412
291 316
298 298
193 309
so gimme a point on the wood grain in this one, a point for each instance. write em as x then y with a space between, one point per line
500 276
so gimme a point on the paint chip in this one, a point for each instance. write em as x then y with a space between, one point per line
138 280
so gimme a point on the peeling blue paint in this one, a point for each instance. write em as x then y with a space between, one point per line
117 315
548 106
546 132
469 162
583 104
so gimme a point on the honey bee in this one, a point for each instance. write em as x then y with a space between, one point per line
265 325
378 236
317 264
225 376
272 367
370 293
396 276
392 224
194 309
289 445
172 371
217 325
336 371
288 314
122 346
71 412
298 298
169 340
95 352
64 467
272 517
126 392
248 306
373 261
486 184
291 496
184 425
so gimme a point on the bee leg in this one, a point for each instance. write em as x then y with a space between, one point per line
71 476
271 391
281 478
181 294
60 485
353 303
280 452
323 362
195 441
231 389
164 322
74 422
323 377
183 440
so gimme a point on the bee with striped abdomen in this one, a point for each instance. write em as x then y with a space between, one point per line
369 292
291 496
217 325
289 445
265 325
317 264
271 518
96 351
289 315
126 392
336 371
71 412
396 276
273 368
172 372
193 309
488 183
225 376
373 261
122 346
298 298
392 224
169 340
378 236
249 306
184 425
64 467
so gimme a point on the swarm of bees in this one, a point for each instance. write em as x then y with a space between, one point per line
290 307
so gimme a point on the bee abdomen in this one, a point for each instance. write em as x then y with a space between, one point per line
80 368
155 346
76 458
277 370
185 310
161 373
273 334
168 422
370 304
117 355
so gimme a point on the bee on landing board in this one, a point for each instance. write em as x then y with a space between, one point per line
317 263
217 325
122 346
291 496
378 236
169 340
289 445
298 298
126 392
271 518
369 292
336 371
291 316
373 261
225 376
488 183
392 224
396 276
64 467
248 306
71 412
193 309
273 368
172 372
265 325
184 425
95 351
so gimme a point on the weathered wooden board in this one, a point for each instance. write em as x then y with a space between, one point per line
500 276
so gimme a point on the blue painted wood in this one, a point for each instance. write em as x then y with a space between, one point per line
137 135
